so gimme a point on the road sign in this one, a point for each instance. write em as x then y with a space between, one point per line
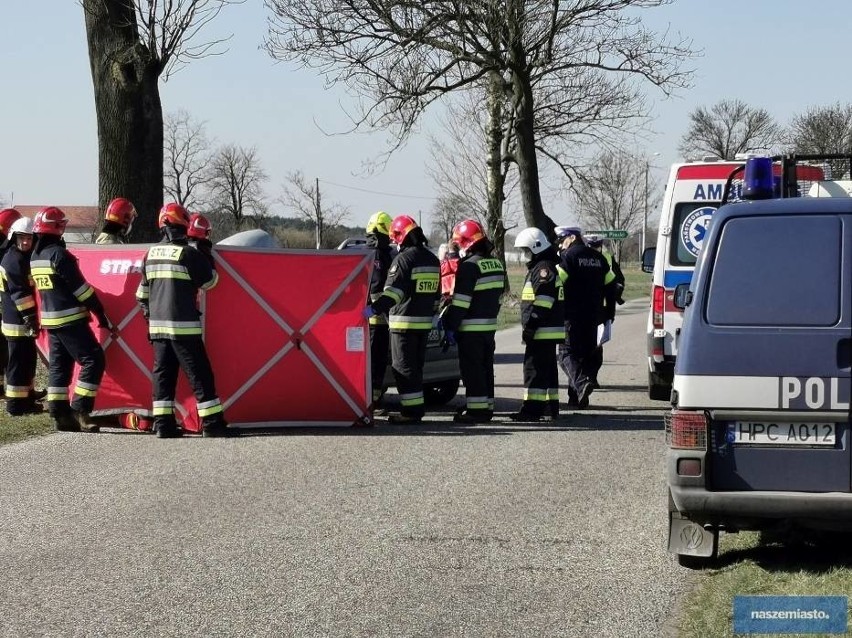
609 234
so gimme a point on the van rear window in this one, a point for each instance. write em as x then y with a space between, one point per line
777 271
689 224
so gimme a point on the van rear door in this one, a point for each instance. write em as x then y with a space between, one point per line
776 309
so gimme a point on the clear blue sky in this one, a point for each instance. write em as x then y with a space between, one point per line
777 54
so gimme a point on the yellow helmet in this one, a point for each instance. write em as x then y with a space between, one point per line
379 223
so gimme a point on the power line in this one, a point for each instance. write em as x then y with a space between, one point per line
366 190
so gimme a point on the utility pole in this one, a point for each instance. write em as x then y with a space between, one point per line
319 216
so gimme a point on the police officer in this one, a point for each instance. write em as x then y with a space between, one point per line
118 222
66 300
607 313
471 318
172 274
20 321
542 327
198 235
378 238
410 297
8 216
584 274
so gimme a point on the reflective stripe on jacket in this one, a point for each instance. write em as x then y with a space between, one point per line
17 296
412 290
66 297
480 282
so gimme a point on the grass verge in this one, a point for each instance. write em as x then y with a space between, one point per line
17 428
754 564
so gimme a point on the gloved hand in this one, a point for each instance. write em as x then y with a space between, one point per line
31 322
527 335
368 312
448 340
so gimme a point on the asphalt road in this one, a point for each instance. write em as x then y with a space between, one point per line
434 530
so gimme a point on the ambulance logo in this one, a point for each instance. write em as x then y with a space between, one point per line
695 227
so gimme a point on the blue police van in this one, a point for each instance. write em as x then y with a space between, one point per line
759 434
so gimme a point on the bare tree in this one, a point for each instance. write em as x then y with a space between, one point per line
305 199
449 210
822 130
727 128
611 193
132 44
236 183
187 157
401 56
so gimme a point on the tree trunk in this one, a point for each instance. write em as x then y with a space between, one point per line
495 176
129 113
525 155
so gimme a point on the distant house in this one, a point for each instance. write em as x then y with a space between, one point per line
83 221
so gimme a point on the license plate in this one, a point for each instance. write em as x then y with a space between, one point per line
764 433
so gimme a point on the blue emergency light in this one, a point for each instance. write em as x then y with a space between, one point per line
758 182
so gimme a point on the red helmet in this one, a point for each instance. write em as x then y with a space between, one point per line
120 211
467 233
199 226
8 216
50 221
173 214
400 227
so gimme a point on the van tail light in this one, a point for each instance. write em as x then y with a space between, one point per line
686 430
658 305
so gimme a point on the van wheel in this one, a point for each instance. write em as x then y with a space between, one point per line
441 393
658 389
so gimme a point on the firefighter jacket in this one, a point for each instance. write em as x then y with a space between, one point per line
16 293
480 282
108 238
172 274
381 266
412 290
542 299
66 298
584 273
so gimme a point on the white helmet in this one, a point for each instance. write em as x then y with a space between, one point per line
24 225
533 239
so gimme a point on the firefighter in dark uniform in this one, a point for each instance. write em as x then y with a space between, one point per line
172 274
20 323
471 318
66 299
198 235
378 238
607 313
118 222
587 280
8 216
542 327
410 299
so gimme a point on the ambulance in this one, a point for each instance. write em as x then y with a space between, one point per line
694 191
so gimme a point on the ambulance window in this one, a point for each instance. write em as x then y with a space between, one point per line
777 271
689 225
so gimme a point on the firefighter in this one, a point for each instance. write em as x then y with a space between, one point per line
20 321
449 266
378 238
8 216
66 300
542 327
410 298
172 274
471 318
198 235
607 314
118 222
585 277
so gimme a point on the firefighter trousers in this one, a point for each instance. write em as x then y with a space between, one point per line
476 364
576 354
4 356
379 344
20 373
541 379
408 351
69 344
189 355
